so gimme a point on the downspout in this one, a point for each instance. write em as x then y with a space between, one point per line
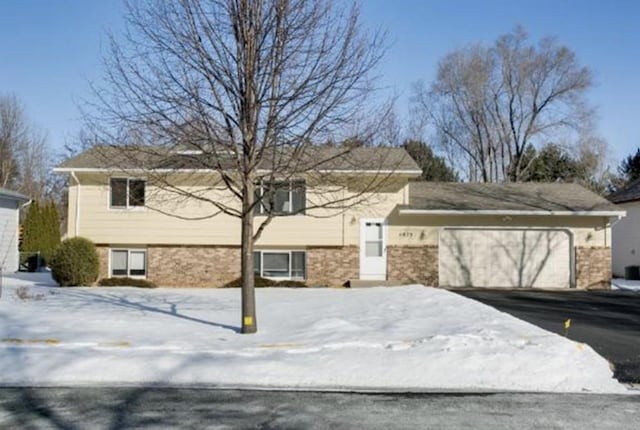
572 259
609 223
24 205
77 214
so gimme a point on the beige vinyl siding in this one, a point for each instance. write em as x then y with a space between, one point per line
321 227
626 239
423 230
71 213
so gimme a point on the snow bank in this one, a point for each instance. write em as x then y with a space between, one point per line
409 338
625 284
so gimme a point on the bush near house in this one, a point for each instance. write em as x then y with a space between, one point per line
291 284
126 282
265 282
75 263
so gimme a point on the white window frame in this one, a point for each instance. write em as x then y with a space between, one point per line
129 251
127 207
265 184
281 251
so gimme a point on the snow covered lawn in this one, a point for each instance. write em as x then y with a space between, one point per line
409 338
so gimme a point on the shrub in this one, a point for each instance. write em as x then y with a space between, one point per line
291 284
259 283
75 262
265 283
126 282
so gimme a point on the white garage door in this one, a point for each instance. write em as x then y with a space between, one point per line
504 258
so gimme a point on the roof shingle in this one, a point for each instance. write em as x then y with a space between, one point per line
530 196
123 158
629 193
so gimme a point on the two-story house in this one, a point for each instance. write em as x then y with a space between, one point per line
447 234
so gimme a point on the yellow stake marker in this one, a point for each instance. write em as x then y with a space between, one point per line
567 324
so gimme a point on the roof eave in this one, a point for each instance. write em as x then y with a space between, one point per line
623 201
18 198
407 172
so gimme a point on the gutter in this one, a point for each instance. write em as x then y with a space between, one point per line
611 214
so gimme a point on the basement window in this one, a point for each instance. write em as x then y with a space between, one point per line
280 264
129 262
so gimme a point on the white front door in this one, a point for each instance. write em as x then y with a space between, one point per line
373 249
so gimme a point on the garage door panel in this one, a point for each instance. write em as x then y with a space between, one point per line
456 259
504 258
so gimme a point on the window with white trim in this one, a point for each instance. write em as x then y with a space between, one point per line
281 197
280 264
126 193
129 262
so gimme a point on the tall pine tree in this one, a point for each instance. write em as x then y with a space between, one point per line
41 230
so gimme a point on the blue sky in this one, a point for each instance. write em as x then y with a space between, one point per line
50 50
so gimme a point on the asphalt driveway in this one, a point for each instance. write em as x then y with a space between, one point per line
608 321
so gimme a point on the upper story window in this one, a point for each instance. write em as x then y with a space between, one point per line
127 193
281 197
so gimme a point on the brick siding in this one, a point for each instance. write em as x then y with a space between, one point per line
333 265
193 266
214 266
103 255
593 268
413 264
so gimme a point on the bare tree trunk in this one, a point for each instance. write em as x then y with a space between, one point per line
249 324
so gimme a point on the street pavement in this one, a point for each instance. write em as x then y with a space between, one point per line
159 408
608 321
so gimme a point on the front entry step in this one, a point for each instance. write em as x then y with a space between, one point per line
357 283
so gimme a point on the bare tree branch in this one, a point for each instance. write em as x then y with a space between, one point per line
236 95
490 104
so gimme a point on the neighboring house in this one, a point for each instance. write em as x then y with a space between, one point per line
626 232
484 235
10 203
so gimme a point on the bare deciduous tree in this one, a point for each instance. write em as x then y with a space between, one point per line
24 155
488 105
13 133
246 89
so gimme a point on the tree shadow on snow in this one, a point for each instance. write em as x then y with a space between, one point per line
120 301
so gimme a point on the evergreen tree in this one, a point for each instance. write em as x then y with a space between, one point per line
30 231
41 230
552 164
630 167
434 168
52 226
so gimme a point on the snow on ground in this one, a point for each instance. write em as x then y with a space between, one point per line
410 338
625 284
